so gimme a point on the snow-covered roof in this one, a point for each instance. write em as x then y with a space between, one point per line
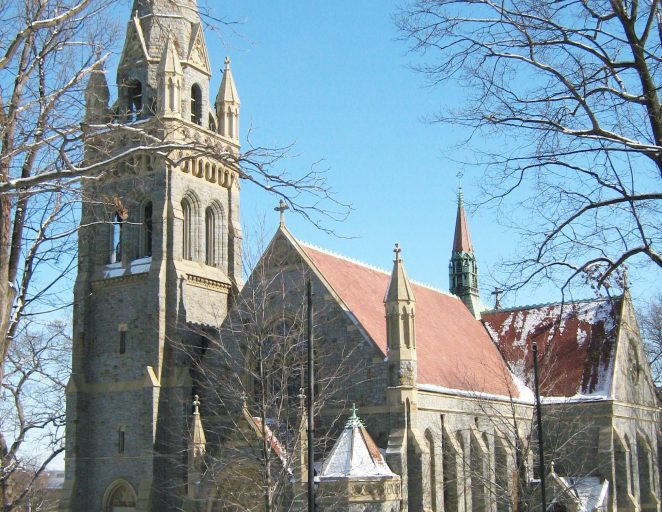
355 455
576 345
590 493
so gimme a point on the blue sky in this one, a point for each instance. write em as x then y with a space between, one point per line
334 79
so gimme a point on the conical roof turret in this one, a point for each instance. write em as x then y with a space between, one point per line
399 289
355 454
462 239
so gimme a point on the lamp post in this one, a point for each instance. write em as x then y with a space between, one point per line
311 390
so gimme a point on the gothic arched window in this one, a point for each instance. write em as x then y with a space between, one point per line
187 225
116 239
147 229
196 104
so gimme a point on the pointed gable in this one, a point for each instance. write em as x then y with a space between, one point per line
576 345
197 54
135 49
454 350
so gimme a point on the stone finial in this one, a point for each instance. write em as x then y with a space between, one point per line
282 206
196 405
227 62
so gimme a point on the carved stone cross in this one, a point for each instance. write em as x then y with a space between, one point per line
497 297
282 206
196 404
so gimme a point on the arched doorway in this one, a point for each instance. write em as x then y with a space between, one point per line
119 497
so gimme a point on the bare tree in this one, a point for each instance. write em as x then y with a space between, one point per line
573 89
32 411
48 52
650 319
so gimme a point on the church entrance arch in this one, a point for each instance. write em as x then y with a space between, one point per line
119 497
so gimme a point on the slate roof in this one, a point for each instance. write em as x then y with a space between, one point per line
576 345
453 348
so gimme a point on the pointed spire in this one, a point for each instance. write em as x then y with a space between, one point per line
463 269
227 105
399 289
198 440
462 240
227 93
97 96
170 63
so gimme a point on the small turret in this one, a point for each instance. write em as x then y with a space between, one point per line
463 270
97 95
400 306
227 105
170 77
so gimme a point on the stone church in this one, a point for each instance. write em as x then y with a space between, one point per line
169 406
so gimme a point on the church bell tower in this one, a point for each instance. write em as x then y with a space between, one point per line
160 257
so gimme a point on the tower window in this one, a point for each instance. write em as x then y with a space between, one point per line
122 342
210 237
135 98
120 440
186 230
147 228
196 104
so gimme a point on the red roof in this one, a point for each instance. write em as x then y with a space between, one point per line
453 349
576 344
462 239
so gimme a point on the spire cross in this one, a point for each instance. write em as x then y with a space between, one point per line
354 411
397 252
227 62
196 404
282 206
497 297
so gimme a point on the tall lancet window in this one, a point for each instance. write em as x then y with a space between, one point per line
135 98
171 95
147 229
187 252
210 237
116 239
196 104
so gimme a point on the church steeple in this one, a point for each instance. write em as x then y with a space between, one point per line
463 270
